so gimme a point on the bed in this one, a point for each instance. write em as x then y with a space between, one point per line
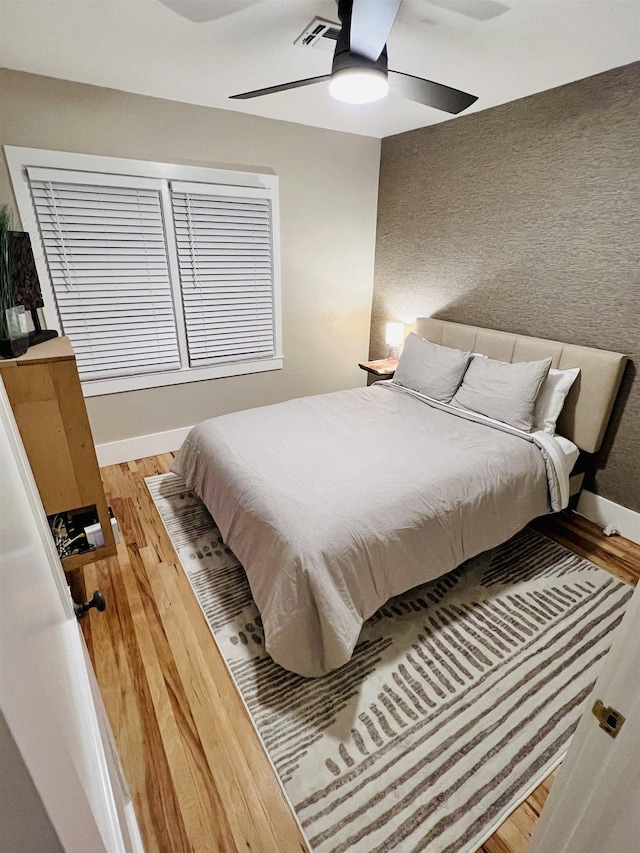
335 503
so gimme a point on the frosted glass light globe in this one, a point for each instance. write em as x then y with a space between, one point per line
358 86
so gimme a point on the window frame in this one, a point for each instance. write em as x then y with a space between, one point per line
19 159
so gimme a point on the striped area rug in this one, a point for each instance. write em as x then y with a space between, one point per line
460 698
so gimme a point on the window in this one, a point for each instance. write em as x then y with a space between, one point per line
105 248
158 274
225 263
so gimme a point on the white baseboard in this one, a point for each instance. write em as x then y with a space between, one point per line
127 449
604 512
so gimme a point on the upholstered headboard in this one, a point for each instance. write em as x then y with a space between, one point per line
586 410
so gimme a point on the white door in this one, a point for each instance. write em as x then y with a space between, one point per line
594 804
65 792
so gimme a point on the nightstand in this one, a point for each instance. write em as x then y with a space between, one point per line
383 368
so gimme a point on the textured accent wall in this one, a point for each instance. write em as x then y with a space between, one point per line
526 218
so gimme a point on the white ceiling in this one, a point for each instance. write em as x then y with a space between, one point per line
142 46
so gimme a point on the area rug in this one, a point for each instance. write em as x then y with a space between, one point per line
461 695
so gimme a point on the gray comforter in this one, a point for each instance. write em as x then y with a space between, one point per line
335 503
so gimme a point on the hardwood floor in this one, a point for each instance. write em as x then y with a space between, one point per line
199 777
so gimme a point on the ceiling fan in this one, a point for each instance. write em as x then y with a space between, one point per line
360 74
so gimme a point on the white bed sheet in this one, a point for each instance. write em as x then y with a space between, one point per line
335 503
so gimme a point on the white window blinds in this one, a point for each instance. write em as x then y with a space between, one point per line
224 243
105 246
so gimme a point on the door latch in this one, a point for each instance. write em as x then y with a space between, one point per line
610 720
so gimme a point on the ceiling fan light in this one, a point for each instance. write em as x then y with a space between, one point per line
358 85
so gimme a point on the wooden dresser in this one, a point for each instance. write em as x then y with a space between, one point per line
46 396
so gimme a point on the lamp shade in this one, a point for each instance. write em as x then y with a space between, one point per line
26 282
394 334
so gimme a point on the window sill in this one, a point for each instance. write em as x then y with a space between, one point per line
101 387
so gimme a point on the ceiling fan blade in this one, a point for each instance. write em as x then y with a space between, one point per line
202 11
371 22
429 93
257 93
479 10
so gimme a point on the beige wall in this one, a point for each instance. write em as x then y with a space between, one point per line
526 218
328 203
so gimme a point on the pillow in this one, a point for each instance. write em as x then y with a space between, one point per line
431 369
505 392
551 398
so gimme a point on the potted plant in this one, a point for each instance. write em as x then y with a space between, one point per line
14 336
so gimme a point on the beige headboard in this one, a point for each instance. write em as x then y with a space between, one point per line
586 410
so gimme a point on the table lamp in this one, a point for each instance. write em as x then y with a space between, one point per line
394 338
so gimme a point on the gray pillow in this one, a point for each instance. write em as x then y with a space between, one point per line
431 369
505 392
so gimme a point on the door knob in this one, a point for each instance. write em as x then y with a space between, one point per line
97 601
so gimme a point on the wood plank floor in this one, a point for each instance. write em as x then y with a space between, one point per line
199 777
